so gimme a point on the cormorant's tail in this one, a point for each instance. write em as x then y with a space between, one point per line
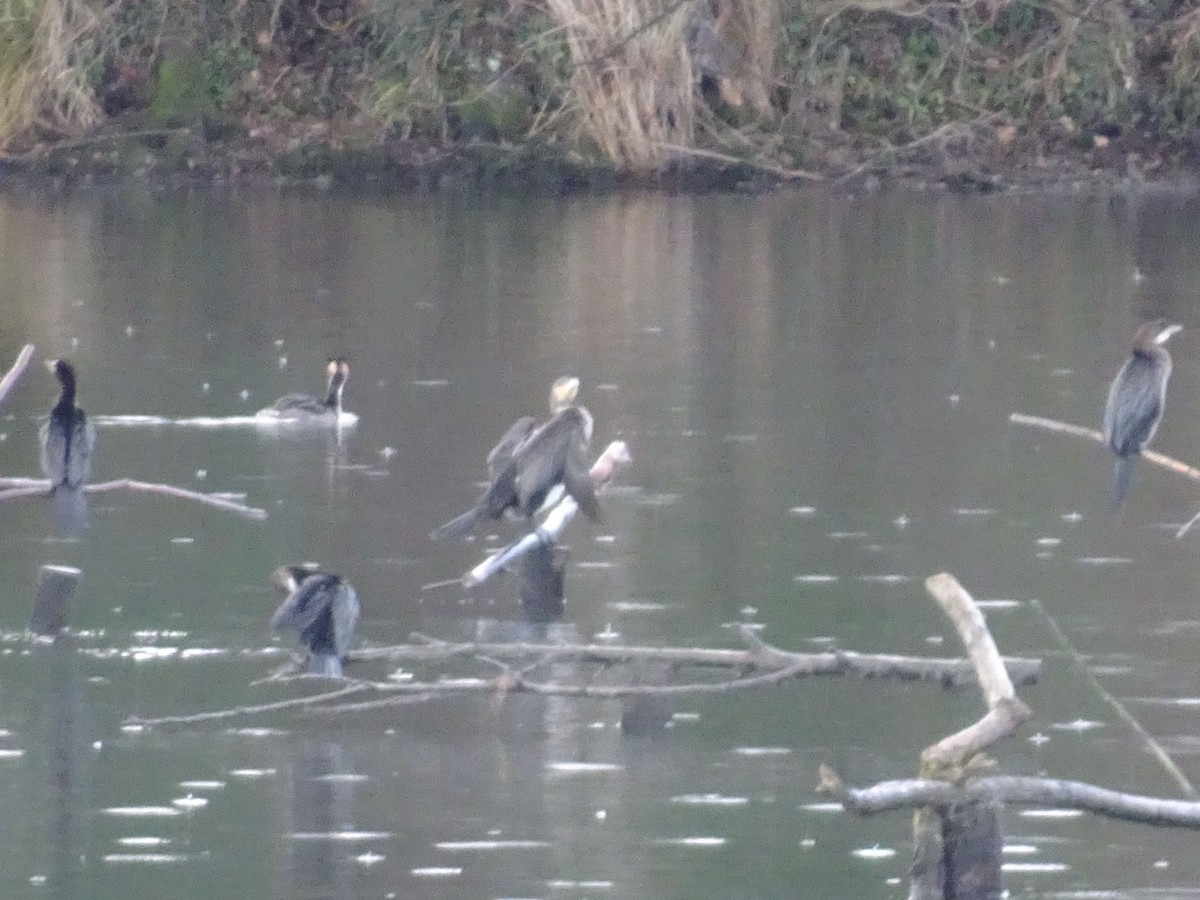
1122 473
326 664
459 526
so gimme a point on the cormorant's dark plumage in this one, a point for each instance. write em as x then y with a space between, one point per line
323 608
1136 400
531 466
67 438
305 407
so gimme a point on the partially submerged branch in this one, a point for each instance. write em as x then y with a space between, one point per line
893 795
34 487
760 666
761 656
18 368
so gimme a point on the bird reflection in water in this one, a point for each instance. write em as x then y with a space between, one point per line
1136 400
322 805
323 608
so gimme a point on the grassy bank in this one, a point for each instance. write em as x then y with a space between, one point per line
634 88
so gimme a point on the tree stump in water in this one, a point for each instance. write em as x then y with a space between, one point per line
52 603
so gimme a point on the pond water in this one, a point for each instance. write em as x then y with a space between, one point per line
815 388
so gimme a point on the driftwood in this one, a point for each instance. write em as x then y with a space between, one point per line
1151 456
39 487
615 455
759 666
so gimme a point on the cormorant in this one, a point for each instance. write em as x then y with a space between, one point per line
1136 400
562 394
307 408
531 462
323 608
67 438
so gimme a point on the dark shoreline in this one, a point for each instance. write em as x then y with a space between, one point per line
183 157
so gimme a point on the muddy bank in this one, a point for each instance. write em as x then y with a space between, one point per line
311 156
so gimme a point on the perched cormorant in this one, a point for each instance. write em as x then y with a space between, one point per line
323 608
67 438
531 466
1136 400
562 394
307 408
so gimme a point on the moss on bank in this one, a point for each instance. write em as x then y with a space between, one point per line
565 95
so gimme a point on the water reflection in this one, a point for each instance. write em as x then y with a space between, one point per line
816 389
320 818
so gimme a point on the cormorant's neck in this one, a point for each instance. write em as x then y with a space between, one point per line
1150 351
66 394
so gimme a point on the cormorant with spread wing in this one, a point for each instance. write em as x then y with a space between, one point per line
532 465
323 608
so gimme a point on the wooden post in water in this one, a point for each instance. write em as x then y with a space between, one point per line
543 583
52 603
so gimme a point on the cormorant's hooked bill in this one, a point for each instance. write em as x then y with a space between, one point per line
67 438
1136 400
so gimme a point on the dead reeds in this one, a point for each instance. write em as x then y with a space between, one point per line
631 79
45 48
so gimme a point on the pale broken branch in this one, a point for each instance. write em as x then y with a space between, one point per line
1005 712
14 374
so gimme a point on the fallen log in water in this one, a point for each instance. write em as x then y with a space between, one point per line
759 666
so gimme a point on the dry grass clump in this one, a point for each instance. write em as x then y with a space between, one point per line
631 81
45 48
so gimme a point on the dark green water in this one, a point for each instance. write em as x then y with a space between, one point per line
815 389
